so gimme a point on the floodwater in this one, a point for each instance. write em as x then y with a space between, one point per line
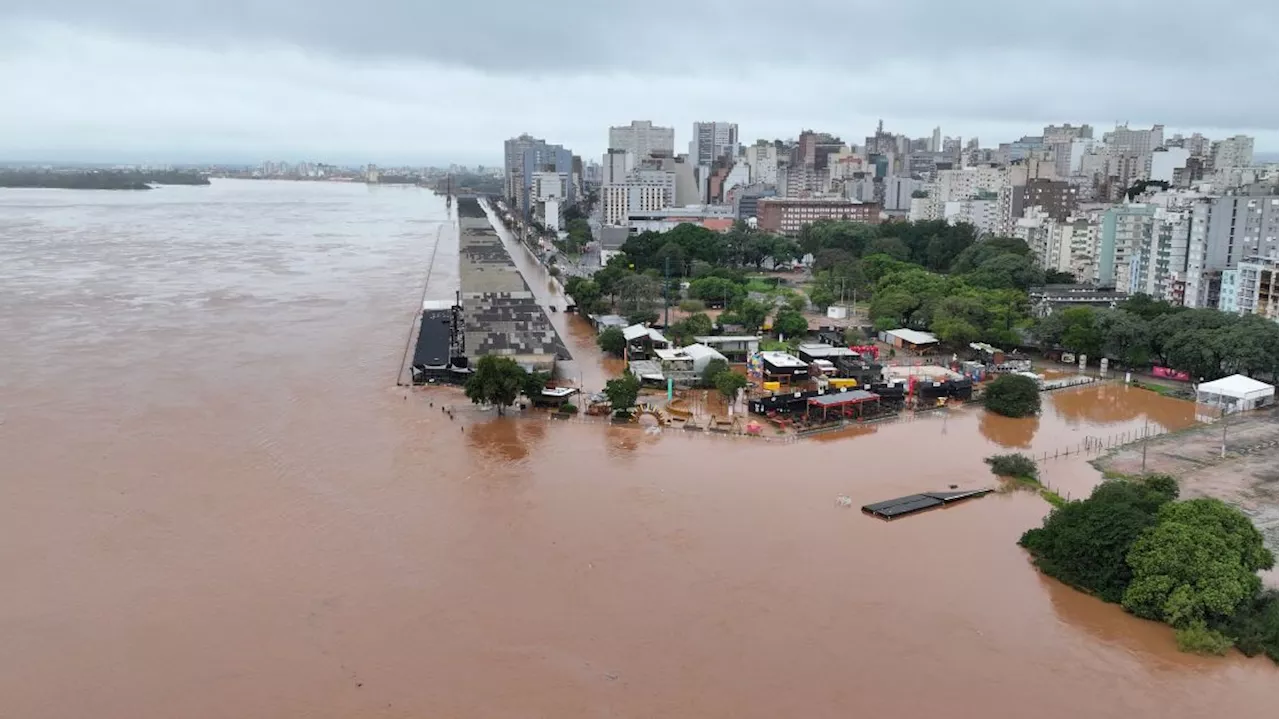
215 503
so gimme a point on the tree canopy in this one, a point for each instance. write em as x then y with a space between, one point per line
1012 395
1204 342
496 381
1085 543
1192 564
612 340
622 392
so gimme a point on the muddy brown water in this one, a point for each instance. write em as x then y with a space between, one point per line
215 503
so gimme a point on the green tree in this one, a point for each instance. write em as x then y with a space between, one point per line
496 380
622 392
612 340
751 314
728 383
1018 466
534 383
821 296
1085 543
586 294
891 246
1081 333
1126 338
638 296
695 325
713 370
1012 395
789 323
716 291
1199 562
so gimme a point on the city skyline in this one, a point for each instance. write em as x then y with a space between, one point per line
176 82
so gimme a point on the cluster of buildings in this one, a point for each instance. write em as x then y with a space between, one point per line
1185 219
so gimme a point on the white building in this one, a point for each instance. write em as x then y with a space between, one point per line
642 138
1233 152
1039 231
739 176
1166 161
549 191
617 164
643 190
982 214
763 157
898 191
711 141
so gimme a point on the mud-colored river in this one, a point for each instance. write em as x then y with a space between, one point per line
214 502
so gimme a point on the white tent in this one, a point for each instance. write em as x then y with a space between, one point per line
702 356
1236 393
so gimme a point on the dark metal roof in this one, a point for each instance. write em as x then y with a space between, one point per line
838 399
913 503
432 349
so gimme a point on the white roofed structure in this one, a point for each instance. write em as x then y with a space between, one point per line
702 356
1236 393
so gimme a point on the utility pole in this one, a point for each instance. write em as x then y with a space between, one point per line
666 292
1223 410
1144 446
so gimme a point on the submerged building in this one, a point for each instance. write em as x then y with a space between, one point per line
500 314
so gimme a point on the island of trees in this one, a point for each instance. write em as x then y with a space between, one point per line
1192 564
99 179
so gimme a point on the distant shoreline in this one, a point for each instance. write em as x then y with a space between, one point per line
97 179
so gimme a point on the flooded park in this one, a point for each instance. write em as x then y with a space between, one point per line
217 503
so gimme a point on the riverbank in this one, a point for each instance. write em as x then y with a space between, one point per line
1247 476
97 179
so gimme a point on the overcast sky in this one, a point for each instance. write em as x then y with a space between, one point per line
421 82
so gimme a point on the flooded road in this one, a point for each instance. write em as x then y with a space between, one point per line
215 503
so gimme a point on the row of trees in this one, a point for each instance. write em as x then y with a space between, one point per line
1140 331
687 246
1192 564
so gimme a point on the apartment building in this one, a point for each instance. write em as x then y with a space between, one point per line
644 190
1253 287
642 138
788 215
711 141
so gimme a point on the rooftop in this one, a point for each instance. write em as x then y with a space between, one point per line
782 359
724 339
914 337
838 399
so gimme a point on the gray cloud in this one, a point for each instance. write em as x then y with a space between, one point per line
438 80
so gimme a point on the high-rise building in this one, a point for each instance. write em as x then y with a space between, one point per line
935 141
1233 152
763 157
642 138
1253 287
1057 197
1125 230
513 163
644 191
712 141
615 166
542 157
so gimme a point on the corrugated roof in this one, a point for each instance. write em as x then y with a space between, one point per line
915 337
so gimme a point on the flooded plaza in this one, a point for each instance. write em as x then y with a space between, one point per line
215 502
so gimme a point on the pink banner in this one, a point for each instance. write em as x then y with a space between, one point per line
1171 373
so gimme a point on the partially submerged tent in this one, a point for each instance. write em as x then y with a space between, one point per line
1236 393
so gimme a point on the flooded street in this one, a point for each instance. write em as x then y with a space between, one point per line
216 503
